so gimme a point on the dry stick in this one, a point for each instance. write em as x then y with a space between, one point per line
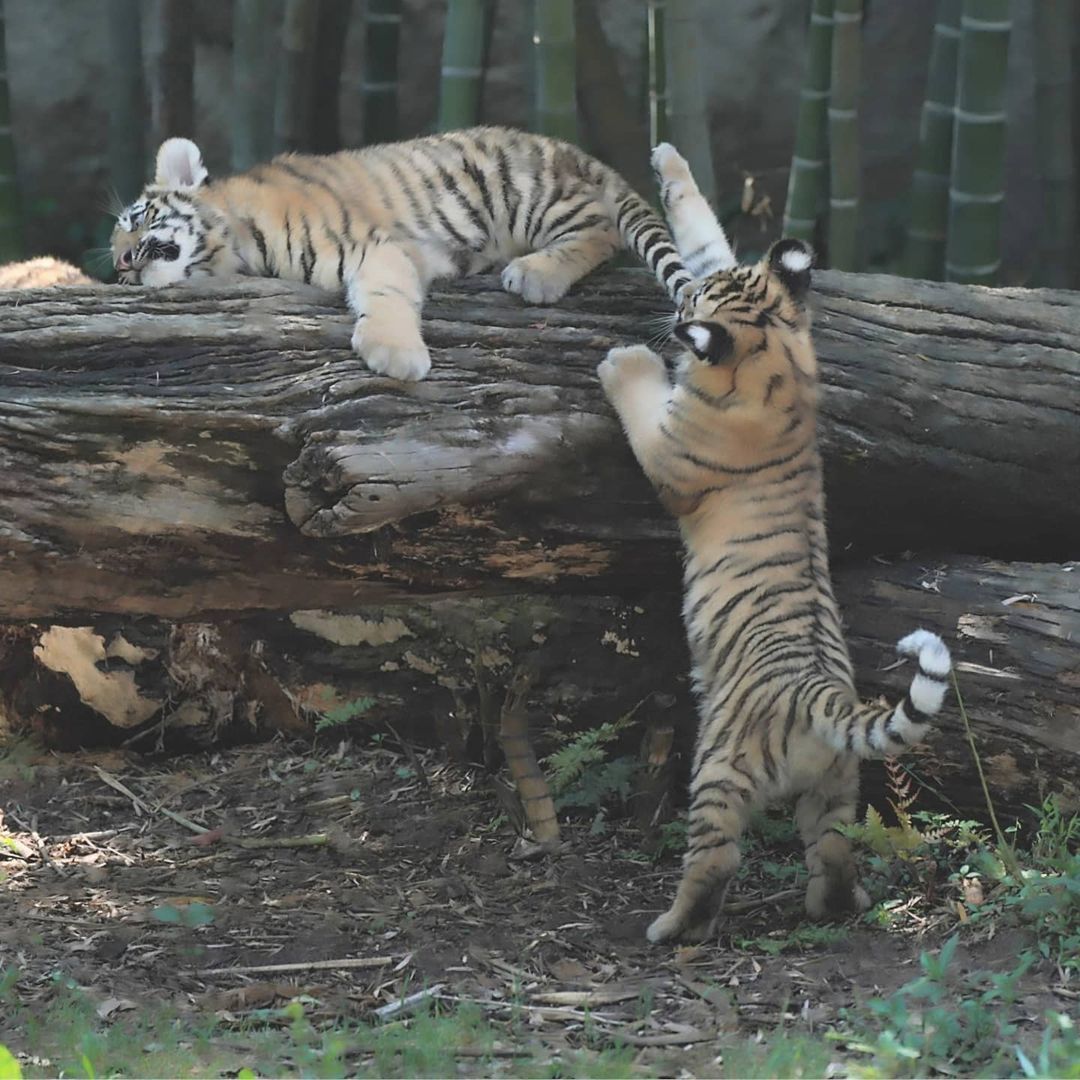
671 1039
311 840
738 906
1008 855
345 964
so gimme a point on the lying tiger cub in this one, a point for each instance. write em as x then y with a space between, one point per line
383 222
731 449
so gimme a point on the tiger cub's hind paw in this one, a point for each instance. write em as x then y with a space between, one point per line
671 927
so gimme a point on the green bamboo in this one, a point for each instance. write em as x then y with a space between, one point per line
170 68
687 118
808 181
11 244
555 84
331 29
654 17
124 88
463 63
252 119
845 82
292 104
977 189
924 256
380 85
1054 129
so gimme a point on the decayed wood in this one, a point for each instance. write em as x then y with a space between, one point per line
186 453
440 668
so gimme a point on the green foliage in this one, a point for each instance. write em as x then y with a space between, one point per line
1058 1054
801 938
190 916
341 715
9 1066
581 773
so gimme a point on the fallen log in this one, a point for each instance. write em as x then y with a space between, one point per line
184 453
441 668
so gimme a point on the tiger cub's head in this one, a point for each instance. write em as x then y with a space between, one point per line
169 234
747 329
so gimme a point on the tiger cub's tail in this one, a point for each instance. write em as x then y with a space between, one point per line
645 233
873 730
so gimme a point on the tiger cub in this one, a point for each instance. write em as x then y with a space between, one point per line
40 273
383 222
731 450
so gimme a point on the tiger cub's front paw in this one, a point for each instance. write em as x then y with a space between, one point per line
629 365
388 350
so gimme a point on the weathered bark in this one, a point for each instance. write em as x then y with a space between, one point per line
441 669
187 452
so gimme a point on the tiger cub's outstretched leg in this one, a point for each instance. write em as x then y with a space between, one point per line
562 258
717 818
386 293
833 889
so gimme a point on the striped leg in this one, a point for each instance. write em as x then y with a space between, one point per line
833 888
544 275
386 293
717 819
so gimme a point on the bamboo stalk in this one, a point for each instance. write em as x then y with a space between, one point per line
170 62
808 181
657 72
977 189
612 127
463 63
124 86
292 104
844 166
924 256
249 61
555 83
687 119
331 29
11 243
380 85
1054 75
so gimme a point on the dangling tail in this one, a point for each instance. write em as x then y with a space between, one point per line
641 228
870 730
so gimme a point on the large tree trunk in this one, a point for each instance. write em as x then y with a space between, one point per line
210 504
442 667
187 452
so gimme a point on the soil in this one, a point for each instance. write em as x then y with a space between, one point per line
407 860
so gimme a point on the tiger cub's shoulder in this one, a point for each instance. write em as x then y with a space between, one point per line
41 273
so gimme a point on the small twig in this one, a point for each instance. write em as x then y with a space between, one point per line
344 964
311 840
181 820
414 761
736 907
409 1004
671 1039
583 997
117 785
1008 855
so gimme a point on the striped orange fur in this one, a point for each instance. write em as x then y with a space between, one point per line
731 448
381 223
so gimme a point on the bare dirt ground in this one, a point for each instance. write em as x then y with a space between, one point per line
132 879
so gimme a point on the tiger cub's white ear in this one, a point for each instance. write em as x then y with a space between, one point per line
179 166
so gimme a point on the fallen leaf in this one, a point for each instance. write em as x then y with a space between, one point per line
567 970
113 1005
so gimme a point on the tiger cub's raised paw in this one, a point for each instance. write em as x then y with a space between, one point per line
628 365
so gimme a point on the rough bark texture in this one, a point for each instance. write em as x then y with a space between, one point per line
186 453
223 523
442 668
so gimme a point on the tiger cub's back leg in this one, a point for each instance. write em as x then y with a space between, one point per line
718 813
833 889
565 249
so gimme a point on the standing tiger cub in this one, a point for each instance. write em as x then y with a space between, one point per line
382 223
731 450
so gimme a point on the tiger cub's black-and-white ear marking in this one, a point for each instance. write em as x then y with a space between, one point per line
179 166
707 341
791 261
